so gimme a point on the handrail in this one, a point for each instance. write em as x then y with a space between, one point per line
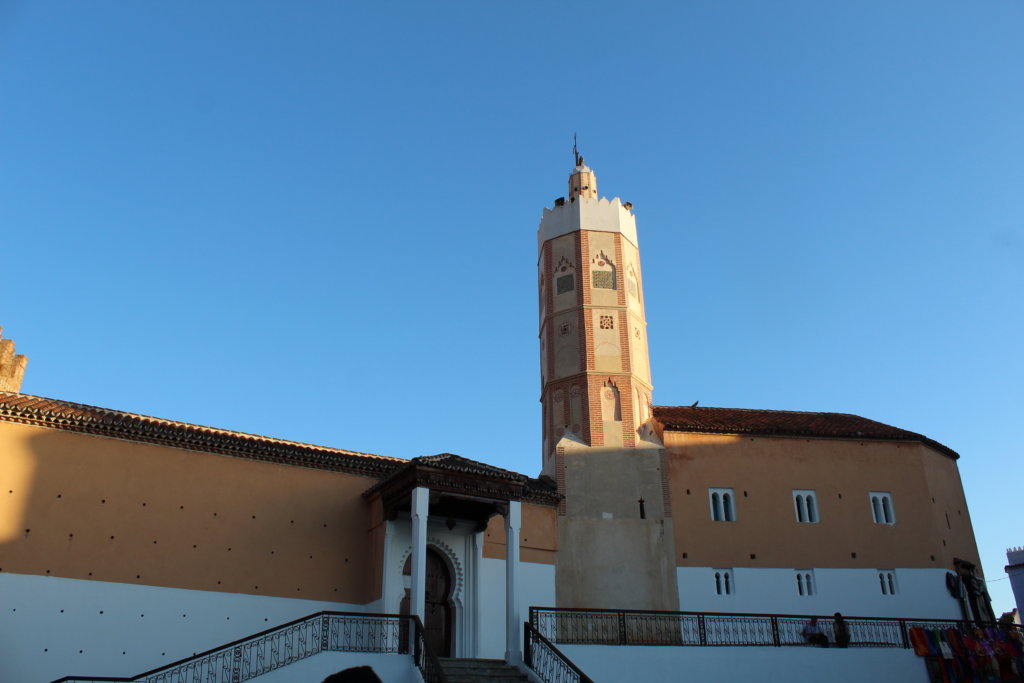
659 627
423 655
246 658
547 661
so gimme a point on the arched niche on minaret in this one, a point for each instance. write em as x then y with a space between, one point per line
611 403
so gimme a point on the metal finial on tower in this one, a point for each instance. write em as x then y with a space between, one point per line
575 151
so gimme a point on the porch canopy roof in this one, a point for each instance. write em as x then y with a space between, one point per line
460 488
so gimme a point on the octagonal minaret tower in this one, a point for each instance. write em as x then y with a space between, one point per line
595 373
598 441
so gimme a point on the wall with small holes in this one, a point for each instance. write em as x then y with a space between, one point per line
88 507
52 627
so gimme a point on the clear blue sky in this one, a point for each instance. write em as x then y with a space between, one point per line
317 220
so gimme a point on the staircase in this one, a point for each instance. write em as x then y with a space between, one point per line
481 671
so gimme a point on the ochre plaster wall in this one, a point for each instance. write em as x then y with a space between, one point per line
538 537
764 471
88 507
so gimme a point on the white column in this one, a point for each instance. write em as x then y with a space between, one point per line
420 511
513 621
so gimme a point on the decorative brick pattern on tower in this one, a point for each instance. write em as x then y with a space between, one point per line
12 367
591 242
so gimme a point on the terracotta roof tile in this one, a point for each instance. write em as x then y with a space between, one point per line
77 417
786 423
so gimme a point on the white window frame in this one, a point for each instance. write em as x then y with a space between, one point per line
882 509
887 582
805 506
724 581
722 504
806 584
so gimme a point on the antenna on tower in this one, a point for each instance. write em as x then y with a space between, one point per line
575 151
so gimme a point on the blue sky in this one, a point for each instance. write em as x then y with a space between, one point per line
317 220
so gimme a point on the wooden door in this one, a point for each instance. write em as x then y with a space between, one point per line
438 614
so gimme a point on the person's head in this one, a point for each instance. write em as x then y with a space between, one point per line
814 620
356 674
838 615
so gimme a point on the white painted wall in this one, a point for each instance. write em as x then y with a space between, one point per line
921 593
479 584
609 664
601 215
390 668
1015 569
53 627
537 587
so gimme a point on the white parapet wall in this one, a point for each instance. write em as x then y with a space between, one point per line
611 664
53 627
919 593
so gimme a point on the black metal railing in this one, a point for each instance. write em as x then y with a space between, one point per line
423 655
646 627
274 648
547 661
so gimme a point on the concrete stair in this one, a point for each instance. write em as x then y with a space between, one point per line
481 671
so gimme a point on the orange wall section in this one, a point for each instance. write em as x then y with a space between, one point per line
90 507
538 537
764 471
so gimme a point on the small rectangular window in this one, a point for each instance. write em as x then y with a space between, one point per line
724 584
805 584
723 505
564 283
805 505
882 510
887 581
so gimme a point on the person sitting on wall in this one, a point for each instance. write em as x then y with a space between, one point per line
842 631
813 635
357 674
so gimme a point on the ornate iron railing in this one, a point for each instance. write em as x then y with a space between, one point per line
424 656
268 650
645 627
547 661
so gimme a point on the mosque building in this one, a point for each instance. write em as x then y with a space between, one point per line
128 541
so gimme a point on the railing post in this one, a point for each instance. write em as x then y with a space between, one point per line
236 665
903 633
700 630
775 632
622 628
527 642
324 633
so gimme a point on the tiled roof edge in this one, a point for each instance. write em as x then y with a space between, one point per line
897 435
116 424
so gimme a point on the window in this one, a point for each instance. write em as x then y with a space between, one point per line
882 511
805 584
805 502
887 581
564 283
724 584
723 505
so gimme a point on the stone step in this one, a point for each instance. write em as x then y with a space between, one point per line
481 671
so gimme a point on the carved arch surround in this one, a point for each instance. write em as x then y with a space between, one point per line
446 551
